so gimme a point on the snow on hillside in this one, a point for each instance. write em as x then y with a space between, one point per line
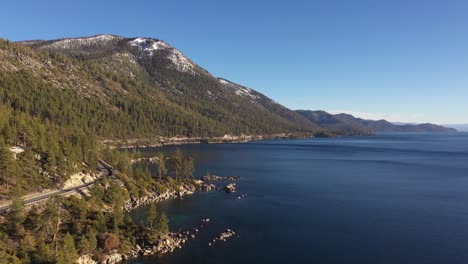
79 42
239 90
152 46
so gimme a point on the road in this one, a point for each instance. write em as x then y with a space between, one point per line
103 167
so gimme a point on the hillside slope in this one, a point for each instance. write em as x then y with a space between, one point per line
134 88
335 124
350 123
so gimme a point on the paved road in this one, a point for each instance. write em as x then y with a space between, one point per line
105 169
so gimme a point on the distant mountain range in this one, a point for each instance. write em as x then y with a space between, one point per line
120 87
355 126
459 127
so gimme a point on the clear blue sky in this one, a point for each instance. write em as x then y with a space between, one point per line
404 60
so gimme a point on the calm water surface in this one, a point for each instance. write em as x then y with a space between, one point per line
389 198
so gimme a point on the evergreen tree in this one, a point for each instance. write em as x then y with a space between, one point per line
16 217
5 162
43 253
67 253
101 222
178 162
152 216
162 224
189 167
88 243
161 162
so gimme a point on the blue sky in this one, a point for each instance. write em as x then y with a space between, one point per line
401 60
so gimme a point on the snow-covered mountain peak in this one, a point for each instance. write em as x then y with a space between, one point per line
149 45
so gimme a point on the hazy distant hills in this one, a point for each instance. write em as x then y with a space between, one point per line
459 127
354 125
119 87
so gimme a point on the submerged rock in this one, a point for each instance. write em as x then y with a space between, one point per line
224 235
241 196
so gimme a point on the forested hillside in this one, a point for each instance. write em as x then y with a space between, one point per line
59 99
350 125
133 88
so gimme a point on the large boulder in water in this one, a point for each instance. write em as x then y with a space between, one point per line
230 188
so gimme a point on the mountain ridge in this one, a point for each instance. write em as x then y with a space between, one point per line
332 121
144 87
136 79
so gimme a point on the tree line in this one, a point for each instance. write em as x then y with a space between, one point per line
67 227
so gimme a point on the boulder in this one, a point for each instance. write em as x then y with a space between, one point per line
230 188
208 187
113 259
86 259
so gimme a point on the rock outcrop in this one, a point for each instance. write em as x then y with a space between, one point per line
86 259
223 236
153 197
145 160
208 187
113 259
79 179
230 188
168 243
219 178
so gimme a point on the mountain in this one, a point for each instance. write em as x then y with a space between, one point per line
346 121
143 88
459 127
133 88
335 124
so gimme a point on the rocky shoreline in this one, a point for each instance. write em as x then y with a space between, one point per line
165 141
167 244
173 240
187 188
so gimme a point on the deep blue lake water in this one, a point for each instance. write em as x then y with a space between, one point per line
388 198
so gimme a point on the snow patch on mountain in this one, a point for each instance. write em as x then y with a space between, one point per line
149 46
239 90
79 42
152 46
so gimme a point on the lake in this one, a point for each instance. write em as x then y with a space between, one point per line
387 198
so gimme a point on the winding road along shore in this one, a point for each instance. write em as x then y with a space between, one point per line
105 169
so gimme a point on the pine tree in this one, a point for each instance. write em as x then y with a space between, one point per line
88 242
162 224
101 222
67 253
152 216
178 161
16 217
43 253
161 162
189 167
5 162
92 240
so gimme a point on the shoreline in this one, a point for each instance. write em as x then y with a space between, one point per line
166 243
226 139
